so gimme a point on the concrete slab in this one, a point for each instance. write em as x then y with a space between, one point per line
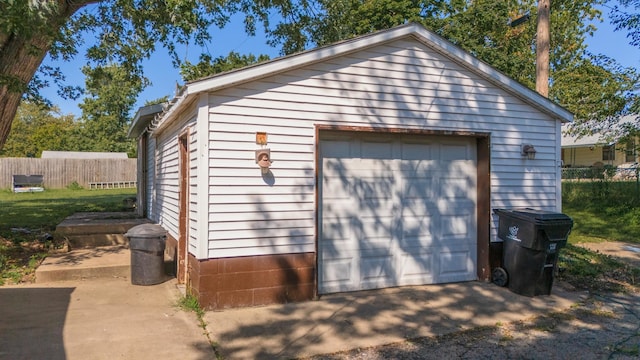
98 319
101 262
370 318
92 229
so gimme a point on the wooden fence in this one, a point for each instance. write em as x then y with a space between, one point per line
60 173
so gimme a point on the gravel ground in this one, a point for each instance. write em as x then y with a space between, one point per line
603 327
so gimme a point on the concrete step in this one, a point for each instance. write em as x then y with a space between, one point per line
99 262
88 230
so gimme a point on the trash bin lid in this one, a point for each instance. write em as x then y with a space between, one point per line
534 215
146 231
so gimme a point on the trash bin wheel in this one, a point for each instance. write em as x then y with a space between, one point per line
500 277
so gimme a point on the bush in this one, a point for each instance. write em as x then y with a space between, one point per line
74 186
601 193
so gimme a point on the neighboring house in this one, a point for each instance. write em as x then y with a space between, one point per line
371 163
603 148
49 154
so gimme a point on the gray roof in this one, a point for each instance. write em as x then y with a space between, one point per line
49 154
143 118
602 136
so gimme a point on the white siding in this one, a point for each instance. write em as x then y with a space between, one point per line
167 180
399 85
193 189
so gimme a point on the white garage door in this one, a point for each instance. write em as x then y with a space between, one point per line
396 210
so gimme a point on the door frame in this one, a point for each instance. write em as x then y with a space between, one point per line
484 258
183 208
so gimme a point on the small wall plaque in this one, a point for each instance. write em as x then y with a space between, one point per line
261 138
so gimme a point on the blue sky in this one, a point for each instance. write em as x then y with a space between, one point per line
233 38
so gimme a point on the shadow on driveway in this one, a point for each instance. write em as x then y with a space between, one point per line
32 322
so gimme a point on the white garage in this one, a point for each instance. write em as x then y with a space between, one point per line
370 163
396 210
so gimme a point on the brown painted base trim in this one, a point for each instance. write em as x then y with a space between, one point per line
495 253
171 256
253 280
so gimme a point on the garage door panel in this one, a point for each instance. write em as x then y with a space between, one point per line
455 188
337 188
370 229
338 229
376 150
420 188
456 264
336 149
417 267
416 231
455 225
410 205
410 209
452 152
376 269
358 233
373 191
336 274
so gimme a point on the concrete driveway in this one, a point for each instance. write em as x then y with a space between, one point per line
371 318
98 319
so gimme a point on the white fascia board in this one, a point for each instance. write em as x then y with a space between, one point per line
202 180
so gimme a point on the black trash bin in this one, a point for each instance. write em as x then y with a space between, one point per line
531 243
147 243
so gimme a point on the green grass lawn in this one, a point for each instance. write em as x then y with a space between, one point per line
27 218
601 211
44 210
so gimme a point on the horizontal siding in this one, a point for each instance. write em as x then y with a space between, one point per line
167 181
399 85
193 190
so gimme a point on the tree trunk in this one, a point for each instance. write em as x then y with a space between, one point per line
20 58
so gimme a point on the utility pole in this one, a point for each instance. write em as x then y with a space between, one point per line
542 48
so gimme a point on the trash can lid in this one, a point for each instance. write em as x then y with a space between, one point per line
534 214
146 231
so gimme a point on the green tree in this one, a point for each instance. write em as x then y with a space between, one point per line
111 93
208 66
160 100
122 32
37 128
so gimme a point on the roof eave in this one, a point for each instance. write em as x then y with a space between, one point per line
143 117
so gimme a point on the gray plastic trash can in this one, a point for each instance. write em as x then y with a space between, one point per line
532 240
147 243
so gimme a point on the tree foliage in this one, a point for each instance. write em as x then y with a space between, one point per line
626 17
38 128
111 93
125 32
208 66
